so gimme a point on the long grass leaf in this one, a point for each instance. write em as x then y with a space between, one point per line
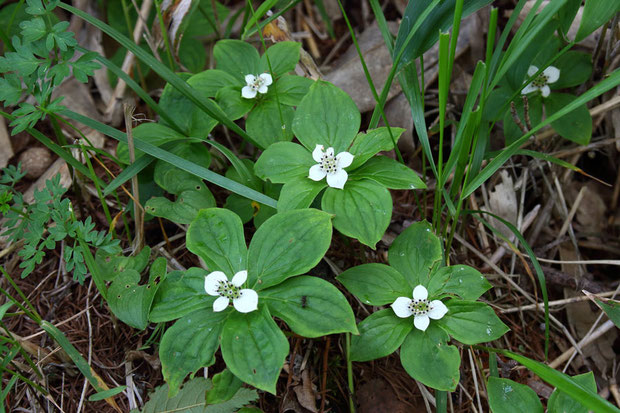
175 160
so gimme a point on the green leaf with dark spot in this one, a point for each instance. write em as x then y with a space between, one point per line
311 307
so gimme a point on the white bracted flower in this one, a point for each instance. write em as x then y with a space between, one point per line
256 84
330 166
421 309
217 284
548 76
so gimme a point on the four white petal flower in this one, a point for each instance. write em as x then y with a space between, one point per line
549 75
420 308
256 84
217 284
330 166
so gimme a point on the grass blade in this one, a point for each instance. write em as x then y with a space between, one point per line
175 160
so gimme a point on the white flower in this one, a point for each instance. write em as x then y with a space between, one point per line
549 75
330 166
256 84
420 308
217 284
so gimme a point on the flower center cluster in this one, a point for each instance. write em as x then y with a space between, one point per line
328 163
257 83
419 307
229 290
541 80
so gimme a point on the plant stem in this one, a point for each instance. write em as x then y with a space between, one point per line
350 372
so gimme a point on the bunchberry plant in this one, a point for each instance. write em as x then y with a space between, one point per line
541 82
256 84
231 304
338 160
429 303
39 61
50 219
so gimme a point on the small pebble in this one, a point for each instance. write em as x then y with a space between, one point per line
35 161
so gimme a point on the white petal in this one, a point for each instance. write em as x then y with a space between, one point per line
421 322
337 179
438 310
316 173
247 302
529 89
212 282
248 93
330 151
420 293
249 79
344 159
532 71
240 278
262 89
552 73
545 90
266 78
317 153
401 307
220 304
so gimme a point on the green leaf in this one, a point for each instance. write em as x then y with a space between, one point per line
186 206
362 210
191 399
287 244
561 402
33 30
181 293
283 57
189 345
381 334
414 252
507 396
185 113
575 125
232 103
326 116
237 58
366 145
210 81
472 322
298 193
131 302
462 280
427 357
575 69
240 206
10 89
106 393
375 284
311 307
567 15
216 236
291 89
111 265
268 124
612 309
153 133
225 385
254 348
176 180
283 161
389 173
595 14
